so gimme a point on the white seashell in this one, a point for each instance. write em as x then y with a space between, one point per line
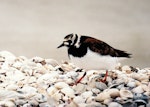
67 67
87 94
90 100
113 92
131 84
147 93
28 90
45 105
16 73
30 64
40 98
27 70
95 90
138 83
20 102
126 68
37 59
60 85
69 81
17 65
145 88
2 59
139 76
2 78
20 84
108 101
33 102
93 77
41 88
48 78
73 104
121 86
145 82
6 103
119 81
142 71
79 88
114 104
31 80
52 62
102 96
122 76
72 74
65 98
113 75
118 66
51 90
138 89
27 105
68 92
6 94
40 70
8 56
2 71
12 87
79 99
21 59
57 96
126 94
49 67
94 104
82 105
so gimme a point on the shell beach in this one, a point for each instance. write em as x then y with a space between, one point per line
39 82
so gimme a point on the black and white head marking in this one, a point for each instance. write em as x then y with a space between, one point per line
91 53
71 40
78 46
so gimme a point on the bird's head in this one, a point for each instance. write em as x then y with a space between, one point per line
69 40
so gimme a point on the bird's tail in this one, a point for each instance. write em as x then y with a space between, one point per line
123 54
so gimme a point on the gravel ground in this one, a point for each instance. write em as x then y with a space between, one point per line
39 82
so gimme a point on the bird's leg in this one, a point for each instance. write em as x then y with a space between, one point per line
105 77
78 81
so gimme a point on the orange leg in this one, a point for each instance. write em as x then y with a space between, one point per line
79 80
105 78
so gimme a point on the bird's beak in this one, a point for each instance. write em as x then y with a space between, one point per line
61 45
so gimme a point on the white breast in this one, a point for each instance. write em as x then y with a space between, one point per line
93 60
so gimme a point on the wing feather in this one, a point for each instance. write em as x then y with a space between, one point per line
103 48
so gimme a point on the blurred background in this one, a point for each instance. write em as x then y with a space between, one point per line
36 27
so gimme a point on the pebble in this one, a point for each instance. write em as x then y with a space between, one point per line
46 83
138 89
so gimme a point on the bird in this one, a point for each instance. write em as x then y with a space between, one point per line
91 53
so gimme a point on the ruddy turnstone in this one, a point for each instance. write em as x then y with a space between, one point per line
90 53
